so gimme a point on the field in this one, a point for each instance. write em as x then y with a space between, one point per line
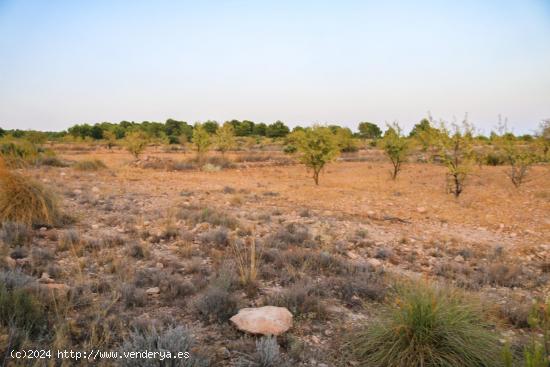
149 245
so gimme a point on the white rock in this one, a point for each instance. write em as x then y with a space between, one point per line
267 320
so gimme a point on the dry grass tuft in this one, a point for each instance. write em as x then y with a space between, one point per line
26 201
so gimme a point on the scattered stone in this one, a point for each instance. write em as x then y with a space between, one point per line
459 259
374 262
153 291
352 255
421 210
267 320
95 190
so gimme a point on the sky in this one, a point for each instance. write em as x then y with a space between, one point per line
302 62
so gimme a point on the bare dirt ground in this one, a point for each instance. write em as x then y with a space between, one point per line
493 241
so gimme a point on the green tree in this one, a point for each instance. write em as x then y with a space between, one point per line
368 130
201 140
316 147
225 138
518 154
136 142
396 147
277 130
345 141
456 153
2 132
424 134
211 126
259 129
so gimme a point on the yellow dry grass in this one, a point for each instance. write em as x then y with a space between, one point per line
26 201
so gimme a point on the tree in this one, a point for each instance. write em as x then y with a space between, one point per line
424 134
516 153
201 139
455 151
2 132
543 138
110 138
344 139
396 147
96 132
259 129
277 130
225 138
316 147
211 126
136 142
368 130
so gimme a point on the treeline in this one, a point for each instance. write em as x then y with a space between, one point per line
172 131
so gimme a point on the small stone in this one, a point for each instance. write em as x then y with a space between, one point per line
95 226
459 259
95 189
153 291
43 229
159 265
352 255
421 210
77 192
374 262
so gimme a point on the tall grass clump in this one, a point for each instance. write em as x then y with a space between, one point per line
427 326
26 201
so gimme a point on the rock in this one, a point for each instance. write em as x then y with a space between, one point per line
11 263
459 259
374 262
45 278
43 229
95 226
421 210
267 320
352 255
371 214
77 192
95 190
153 291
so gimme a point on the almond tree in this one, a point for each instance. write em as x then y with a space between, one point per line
396 147
316 147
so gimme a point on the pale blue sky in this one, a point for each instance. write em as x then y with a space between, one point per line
67 62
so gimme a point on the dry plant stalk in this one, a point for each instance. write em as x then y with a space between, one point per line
248 259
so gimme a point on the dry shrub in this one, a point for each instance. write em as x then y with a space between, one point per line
26 201
90 165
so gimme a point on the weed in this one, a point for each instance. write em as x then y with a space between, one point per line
15 234
267 355
302 300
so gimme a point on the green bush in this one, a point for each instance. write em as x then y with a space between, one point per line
427 326
21 310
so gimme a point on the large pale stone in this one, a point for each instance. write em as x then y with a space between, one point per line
267 320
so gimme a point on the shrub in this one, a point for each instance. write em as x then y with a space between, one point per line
427 326
173 339
15 234
90 165
26 201
302 300
51 161
136 142
292 234
217 236
20 309
209 215
132 296
267 355
216 305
